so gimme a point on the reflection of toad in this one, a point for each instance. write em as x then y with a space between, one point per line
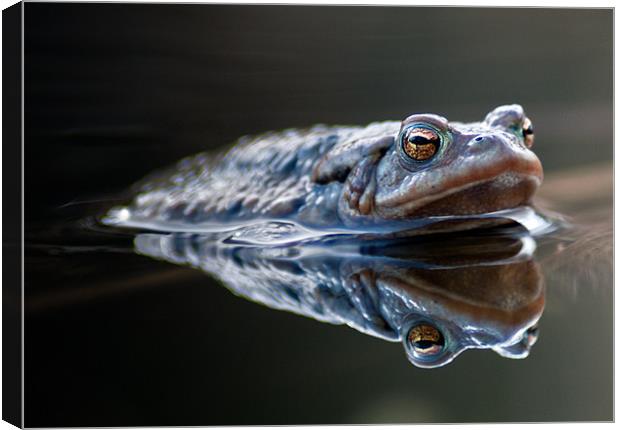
482 291
348 176
450 310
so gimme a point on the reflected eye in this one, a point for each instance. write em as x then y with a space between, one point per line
426 340
528 133
420 143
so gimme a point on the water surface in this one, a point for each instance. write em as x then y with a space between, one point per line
144 330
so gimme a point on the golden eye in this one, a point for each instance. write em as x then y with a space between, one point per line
420 143
528 133
426 340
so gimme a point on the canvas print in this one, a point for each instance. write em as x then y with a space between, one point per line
298 214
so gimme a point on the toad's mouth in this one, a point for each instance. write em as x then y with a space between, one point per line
503 192
484 191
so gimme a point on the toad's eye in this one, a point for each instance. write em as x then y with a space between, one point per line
420 143
426 340
528 133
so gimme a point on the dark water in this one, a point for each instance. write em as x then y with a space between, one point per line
115 91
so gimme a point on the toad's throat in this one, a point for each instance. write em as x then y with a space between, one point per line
504 191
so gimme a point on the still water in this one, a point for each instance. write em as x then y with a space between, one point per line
131 327
151 311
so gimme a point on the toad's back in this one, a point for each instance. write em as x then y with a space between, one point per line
267 176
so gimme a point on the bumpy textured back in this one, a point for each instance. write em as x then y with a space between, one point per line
267 176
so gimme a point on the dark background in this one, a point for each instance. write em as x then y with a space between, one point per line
113 91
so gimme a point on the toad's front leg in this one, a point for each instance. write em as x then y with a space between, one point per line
359 188
354 164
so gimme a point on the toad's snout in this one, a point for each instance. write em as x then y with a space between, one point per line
495 151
